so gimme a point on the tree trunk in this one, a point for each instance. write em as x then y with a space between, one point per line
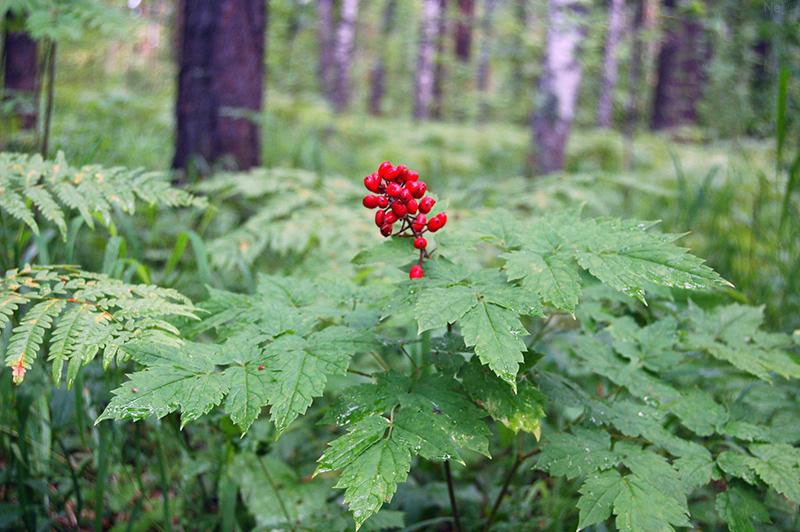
325 37
605 104
681 69
439 73
378 73
482 78
463 33
343 54
423 93
20 57
221 74
559 84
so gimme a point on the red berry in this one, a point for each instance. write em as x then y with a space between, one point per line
402 172
416 272
405 195
419 190
426 204
412 176
437 222
380 218
399 209
393 189
386 229
419 222
390 218
373 183
383 202
411 206
420 242
370 201
385 169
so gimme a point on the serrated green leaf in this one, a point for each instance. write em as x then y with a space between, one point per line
495 333
741 509
522 411
641 505
779 466
555 278
598 493
580 453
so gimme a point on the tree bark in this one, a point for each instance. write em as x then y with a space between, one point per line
681 69
559 84
463 33
437 108
423 93
326 39
21 83
605 104
378 73
343 54
221 74
482 78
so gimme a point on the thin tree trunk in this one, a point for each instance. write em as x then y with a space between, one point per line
20 77
519 53
635 81
49 98
463 33
558 85
681 70
437 108
378 74
482 78
423 93
221 74
343 54
605 105
325 37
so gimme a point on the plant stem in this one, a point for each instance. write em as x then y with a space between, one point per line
277 494
452 494
506 483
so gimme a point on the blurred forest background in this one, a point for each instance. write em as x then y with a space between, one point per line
686 107
684 111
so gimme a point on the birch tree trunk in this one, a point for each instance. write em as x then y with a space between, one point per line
605 104
559 84
439 73
325 41
343 54
221 75
423 89
378 73
20 79
463 33
682 62
482 78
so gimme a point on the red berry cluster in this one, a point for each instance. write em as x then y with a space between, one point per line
400 196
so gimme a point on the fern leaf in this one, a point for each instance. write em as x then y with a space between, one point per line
48 207
27 337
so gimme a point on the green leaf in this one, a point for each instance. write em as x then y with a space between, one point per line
495 333
372 464
598 493
778 465
741 509
27 337
554 277
522 411
642 505
578 454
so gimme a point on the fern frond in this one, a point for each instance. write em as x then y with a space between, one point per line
54 188
88 313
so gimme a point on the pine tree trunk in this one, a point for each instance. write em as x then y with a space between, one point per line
681 69
437 108
343 54
559 84
463 33
423 94
20 59
221 75
482 78
378 73
605 104
326 39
